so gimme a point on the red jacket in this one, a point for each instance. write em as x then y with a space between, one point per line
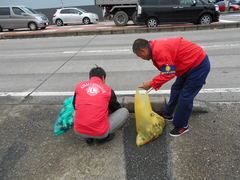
173 57
91 107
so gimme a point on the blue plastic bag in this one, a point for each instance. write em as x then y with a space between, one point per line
64 120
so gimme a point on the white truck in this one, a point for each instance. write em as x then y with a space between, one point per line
121 10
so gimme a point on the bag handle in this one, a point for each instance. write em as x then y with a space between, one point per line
150 90
147 91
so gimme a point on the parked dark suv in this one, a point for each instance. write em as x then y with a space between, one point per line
154 12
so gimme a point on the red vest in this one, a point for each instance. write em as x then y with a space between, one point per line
91 107
176 53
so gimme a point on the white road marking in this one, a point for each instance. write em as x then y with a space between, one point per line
103 27
73 29
50 30
117 51
105 51
219 46
129 50
129 92
69 52
23 32
233 15
226 21
98 51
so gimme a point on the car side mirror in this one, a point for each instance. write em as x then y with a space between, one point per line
79 13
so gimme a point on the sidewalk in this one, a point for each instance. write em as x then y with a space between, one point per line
105 30
28 149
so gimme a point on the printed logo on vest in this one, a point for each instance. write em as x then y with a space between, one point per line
168 69
92 90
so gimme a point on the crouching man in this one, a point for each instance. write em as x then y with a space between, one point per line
98 114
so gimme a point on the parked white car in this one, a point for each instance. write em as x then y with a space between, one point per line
66 16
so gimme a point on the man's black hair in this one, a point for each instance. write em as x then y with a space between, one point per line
139 44
97 72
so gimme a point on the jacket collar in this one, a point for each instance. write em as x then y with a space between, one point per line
96 79
150 49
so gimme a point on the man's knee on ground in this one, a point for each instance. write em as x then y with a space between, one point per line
124 112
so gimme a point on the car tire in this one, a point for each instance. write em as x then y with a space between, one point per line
59 22
43 28
205 19
86 20
152 22
1 29
134 17
10 29
120 18
230 9
32 26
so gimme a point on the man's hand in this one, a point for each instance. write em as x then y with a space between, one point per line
146 85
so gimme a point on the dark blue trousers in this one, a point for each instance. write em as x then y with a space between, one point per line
183 92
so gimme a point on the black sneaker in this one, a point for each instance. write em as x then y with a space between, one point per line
106 139
165 116
89 141
178 131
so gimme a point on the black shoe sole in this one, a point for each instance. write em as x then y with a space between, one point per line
176 135
166 117
89 141
107 139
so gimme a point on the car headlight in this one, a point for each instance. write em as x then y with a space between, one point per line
216 7
39 18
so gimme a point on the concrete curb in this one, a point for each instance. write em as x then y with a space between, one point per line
123 31
158 104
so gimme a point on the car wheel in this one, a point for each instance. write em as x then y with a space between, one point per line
134 17
10 29
205 19
59 22
120 18
231 9
86 20
152 22
32 26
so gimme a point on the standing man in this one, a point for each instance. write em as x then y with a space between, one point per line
98 114
181 58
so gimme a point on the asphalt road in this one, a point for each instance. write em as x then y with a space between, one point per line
110 25
28 150
58 64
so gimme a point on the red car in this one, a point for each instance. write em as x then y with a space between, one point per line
233 6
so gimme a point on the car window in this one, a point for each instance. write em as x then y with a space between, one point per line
189 2
29 10
74 11
200 2
234 3
149 2
167 2
17 11
4 11
186 2
82 10
65 11
158 2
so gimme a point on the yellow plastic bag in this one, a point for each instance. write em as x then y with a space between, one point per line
149 125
